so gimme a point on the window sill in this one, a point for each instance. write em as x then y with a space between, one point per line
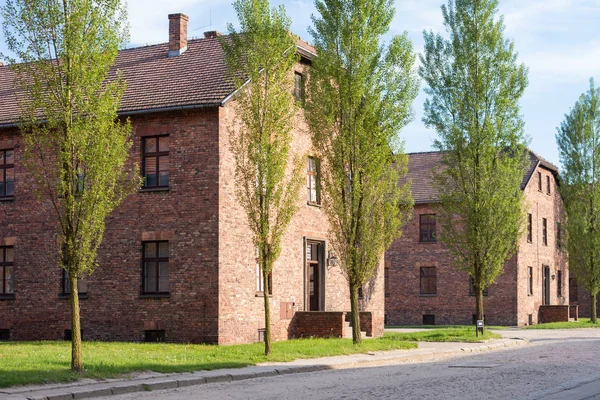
262 294
473 295
10 296
313 204
82 296
154 189
428 295
155 295
428 241
7 199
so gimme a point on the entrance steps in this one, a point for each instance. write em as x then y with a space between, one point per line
348 331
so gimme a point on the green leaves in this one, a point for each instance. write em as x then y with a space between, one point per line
360 96
474 87
578 139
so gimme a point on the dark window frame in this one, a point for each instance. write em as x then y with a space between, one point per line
559 283
4 265
260 286
157 155
157 260
82 286
299 86
529 228
426 279
4 167
530 281
539 181
544 231
548 191
316 173
427 228
472 287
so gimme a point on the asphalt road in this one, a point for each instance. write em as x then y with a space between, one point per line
555 365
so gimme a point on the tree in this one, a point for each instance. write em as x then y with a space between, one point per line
360 95
75 147
474 86
578 141
261 58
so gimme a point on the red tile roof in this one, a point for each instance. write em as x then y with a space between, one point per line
420 166
196 78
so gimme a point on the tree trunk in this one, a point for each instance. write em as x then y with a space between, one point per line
593 298
479 304
268 347
355 314
76 350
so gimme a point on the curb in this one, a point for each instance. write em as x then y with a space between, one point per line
206 377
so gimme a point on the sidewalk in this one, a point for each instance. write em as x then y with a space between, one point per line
427 351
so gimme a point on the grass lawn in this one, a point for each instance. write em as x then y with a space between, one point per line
582 323
443 327
43 362
453 334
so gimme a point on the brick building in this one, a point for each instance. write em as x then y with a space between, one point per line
177 260
423 288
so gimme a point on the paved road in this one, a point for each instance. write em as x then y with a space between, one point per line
555 365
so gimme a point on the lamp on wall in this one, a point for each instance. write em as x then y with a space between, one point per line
553 277
332 260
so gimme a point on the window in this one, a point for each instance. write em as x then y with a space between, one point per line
7 270
299 86
154 336
539 181
313 181
156 162
548 184
472 290
4 334
7 173
529 228
545 231
156 267
530 281
82 286
427 228
428 280
428 319
260 282
386 272
559 286
558 236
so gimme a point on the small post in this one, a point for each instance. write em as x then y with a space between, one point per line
478 327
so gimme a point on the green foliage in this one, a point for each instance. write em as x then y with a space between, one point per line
474 86
261 58
582 323
75 147
44 362
578 141
445 334
360 95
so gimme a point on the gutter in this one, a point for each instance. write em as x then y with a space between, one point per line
144 111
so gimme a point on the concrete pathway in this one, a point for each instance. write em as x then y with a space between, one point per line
154 381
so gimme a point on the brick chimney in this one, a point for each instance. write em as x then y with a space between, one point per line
177 34
212 34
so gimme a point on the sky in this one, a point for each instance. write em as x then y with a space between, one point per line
558 40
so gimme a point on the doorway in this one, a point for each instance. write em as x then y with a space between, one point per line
314 253
545 285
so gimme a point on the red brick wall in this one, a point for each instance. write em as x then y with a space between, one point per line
241 310
507 302
453 304
319 324
114 308
536 254
553 314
